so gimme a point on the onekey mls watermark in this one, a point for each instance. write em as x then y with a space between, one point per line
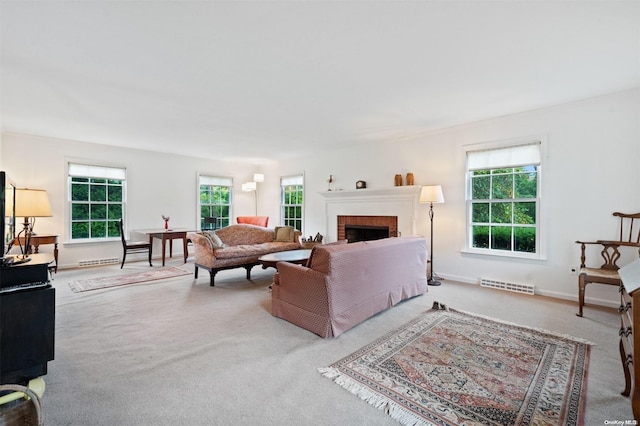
620 422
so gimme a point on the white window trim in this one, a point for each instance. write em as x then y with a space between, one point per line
294 179
541 215
70 163
212 179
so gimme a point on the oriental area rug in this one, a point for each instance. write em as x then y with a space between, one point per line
453 368
120 280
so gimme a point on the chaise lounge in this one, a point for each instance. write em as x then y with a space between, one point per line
239 246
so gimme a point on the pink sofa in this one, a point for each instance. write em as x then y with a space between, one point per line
239 246
343 285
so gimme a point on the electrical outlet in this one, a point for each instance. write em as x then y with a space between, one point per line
573 270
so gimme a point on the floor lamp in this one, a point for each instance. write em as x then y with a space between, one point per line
253 186
431 194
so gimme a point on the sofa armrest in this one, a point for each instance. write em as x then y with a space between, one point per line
203 254
302 287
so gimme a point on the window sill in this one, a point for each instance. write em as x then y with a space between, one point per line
95 241
503 254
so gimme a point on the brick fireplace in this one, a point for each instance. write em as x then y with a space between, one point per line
361 228
393 207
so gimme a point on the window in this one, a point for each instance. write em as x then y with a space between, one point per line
503 200
292 190
96 201
215 201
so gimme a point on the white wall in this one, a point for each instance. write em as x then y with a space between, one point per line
157 184
591 168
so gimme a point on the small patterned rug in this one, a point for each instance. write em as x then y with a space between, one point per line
453 368
119 280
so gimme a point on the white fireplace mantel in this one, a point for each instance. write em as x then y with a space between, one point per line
401 201
394 192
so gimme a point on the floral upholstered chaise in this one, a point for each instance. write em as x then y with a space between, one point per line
239 246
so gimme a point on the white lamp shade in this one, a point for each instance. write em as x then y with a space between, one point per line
32 203
258 177
249 186
431 194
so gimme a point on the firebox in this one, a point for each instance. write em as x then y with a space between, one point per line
355 233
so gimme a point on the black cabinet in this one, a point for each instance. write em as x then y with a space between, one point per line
27 320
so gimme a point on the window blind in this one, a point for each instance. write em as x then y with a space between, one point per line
216 181
512 156
98 172
291 180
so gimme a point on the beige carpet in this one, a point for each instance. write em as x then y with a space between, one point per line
181 352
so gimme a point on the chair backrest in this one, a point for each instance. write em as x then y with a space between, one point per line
254 220
210 223
627 233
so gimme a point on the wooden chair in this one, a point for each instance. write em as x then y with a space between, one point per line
210 223
607 273
132 246
254 220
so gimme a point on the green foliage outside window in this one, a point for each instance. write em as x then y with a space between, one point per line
503 209
96 208
215 206
292 200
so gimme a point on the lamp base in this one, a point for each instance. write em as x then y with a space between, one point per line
21 258
433 282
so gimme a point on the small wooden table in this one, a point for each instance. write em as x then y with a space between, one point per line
164 235
292 256
37 241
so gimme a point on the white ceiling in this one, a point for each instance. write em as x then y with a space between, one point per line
274 79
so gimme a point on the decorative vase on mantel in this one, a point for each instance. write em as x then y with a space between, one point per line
410 179
398 180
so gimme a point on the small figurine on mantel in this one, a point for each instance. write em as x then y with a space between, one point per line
330 180
317 239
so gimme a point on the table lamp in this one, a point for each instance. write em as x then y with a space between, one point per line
30 203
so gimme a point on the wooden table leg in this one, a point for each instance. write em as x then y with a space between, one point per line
55 255
164 248
150 248
184 248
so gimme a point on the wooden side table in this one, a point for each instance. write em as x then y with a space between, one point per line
164 235
37 241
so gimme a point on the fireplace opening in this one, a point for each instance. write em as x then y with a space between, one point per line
355 233
372 227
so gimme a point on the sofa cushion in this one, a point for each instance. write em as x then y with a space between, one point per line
284 234
213 239
253 250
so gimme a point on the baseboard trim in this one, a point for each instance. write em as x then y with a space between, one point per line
609 303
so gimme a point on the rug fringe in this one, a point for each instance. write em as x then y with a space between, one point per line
378 401
442 307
